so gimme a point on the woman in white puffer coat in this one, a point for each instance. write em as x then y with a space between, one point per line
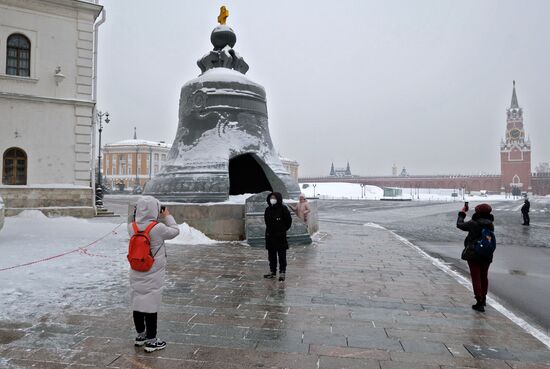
146 287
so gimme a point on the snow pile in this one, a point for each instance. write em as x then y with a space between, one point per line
232 200
190 236
31 214
223 75
238 199
338 190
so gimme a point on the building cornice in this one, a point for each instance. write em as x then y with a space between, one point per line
79 4
18 78
53 100
70 4
132 149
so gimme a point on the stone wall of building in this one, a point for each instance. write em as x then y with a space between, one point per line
51 201
48 114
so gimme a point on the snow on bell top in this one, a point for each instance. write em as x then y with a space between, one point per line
223 39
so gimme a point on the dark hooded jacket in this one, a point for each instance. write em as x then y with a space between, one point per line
277 221
474 227
526 207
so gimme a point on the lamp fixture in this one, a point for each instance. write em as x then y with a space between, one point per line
58 76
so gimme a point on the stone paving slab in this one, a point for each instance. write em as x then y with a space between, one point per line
357 298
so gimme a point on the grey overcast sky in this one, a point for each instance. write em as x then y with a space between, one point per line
422 84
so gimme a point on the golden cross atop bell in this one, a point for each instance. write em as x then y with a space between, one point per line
224 13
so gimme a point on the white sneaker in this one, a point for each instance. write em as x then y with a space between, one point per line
140 339
154 345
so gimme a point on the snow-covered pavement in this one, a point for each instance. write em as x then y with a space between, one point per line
353 191
66 278
54 264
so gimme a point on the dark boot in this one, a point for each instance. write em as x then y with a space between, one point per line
479 305
484 301
270 275
282 276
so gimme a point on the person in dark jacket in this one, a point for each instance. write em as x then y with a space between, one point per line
479 266
277 221
525 212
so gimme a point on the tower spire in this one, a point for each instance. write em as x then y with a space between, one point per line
135 134
514 104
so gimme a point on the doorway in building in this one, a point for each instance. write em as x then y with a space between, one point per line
246 175
15 167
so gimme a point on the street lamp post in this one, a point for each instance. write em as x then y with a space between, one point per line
99 187
137 173
314 185
150 162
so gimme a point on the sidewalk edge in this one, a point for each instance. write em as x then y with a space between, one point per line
535 332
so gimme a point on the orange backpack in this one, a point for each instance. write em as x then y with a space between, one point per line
139 249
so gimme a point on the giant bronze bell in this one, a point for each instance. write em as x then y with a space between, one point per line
222 146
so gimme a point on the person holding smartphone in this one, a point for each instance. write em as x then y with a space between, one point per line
146 287
478 265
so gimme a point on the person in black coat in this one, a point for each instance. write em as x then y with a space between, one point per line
525 212
479 266
277 221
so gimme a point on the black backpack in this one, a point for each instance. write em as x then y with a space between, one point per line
486 246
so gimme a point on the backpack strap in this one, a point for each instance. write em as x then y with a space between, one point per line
150 226
147 230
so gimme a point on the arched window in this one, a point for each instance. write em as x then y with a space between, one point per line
18 57
15 167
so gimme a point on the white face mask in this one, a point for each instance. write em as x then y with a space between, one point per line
272 201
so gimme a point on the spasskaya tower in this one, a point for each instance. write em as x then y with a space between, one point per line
515 152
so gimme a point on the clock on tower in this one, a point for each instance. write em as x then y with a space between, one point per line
515 152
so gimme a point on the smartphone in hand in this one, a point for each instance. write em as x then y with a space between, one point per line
466 208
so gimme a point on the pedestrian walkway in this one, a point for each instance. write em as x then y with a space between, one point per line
358 298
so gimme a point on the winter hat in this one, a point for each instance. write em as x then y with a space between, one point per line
483 209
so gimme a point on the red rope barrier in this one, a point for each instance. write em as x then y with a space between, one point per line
82 249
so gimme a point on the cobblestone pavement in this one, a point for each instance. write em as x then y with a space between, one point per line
358 298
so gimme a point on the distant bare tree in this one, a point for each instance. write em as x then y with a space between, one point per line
543 167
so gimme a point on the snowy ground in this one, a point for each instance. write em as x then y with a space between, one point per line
341 191
338 190
58 283
68 270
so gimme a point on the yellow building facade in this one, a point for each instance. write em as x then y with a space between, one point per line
131 163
